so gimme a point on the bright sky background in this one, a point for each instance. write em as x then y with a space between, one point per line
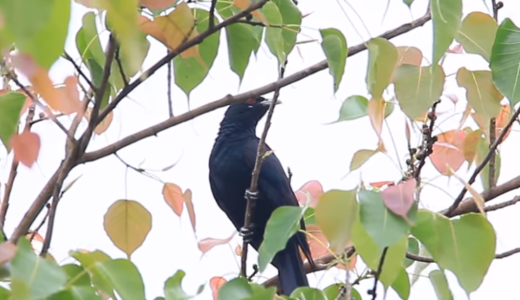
299 136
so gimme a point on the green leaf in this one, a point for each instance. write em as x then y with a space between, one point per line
308 293
446 16
273 35
89 47
371 254
235 289
482 151
38 28
124 277
481 92
4 293
130 68
76 275
292 19
452 244
11 105
76 292
336 213
401 285
173 287
413 247
416 88
332 292
121 19
334 46
241 40
259 33
354 107
127 224
505 60
283 223
419 265
382 57
383 226
408 2
261 293
189 72
361 157
309 216
477 33
34 277
440 285
91 261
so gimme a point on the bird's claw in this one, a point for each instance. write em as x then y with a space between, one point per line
247 233
251 196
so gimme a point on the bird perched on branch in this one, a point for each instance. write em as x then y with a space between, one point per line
231 166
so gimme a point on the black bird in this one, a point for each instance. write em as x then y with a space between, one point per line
231 165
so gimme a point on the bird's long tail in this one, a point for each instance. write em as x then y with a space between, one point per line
291 272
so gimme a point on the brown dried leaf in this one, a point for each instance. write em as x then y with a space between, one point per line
448 151
216 283
189 206
174 197
26 147
208 243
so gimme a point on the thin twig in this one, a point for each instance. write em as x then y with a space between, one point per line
35 231
169 86
212 14
182 47
14 171
80 72
120 66
501 205
77 150
250 206
373 291
95 117
52 214
229 99
38 103
492 124
482 165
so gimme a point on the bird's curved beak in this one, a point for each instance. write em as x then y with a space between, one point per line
268 102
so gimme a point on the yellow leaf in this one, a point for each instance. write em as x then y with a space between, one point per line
127 224
173 29
481 92
361 157
376 112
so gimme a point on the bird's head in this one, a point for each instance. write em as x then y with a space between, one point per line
250 111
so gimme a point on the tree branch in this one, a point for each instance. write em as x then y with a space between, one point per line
80 72
469 205
185 45
76 151
229 99
483 164
323 262
260 153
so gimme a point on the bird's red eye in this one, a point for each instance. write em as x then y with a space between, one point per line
250 101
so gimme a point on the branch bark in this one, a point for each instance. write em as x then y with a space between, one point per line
229 99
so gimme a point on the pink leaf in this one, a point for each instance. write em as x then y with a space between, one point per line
399 198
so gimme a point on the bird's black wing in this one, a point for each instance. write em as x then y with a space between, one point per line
274 186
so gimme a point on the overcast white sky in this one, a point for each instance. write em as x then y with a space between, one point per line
299 136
